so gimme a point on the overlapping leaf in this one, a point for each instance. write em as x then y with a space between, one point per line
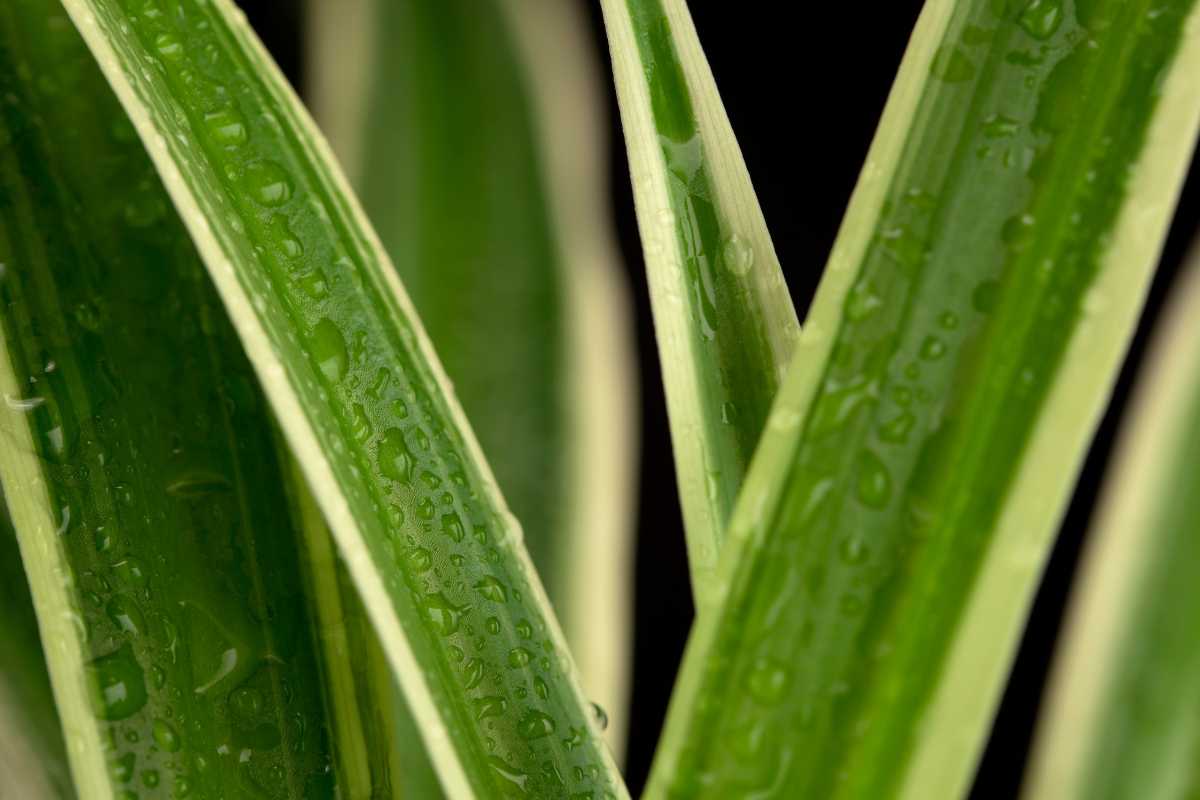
362 402
960 350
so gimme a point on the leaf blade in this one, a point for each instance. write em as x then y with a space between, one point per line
879 537
1118 721
305 351
725 325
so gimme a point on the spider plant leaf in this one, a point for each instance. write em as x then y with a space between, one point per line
360 397
377 747
33 758
725 323
1121 720
491 209
960 351
137 460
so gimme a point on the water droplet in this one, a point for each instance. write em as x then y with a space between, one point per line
852 550
895 431
314 285
535 725
767 680
524 629
360 424
131 573
329 349
165 736
395 461
932 348
119 683
998 126
738 255
600 716
948 320
952 65
226 127
444 615
874 483
492 706
417 560
473 672
517 780
125 615
247 702
150 778
492 589
168 47
122 768
1041 18
861 303
286 241
985 296
518 657
268 184
452 526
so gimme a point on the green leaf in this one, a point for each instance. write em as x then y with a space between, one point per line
491 209
433 551
33 758
961 349
376 743
1121 719
138 461
725 324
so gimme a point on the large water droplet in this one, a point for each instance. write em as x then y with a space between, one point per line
329 349
395 461
1042 18
492 589
444 615
492 706
119 684
535 724
268 184
874 483
165 736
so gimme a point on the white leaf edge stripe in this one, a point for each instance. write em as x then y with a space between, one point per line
601 391
1117 554
738 208
33 517
295 423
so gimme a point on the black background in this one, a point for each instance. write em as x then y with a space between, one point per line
804 90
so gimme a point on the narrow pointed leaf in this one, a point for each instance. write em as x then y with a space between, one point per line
361 399
1122 720
137 460
33 758
961 348
490 207
725 323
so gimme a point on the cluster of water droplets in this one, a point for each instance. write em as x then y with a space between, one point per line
881 439
425 511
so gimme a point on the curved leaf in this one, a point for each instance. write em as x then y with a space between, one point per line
361 399
137 460
490 208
